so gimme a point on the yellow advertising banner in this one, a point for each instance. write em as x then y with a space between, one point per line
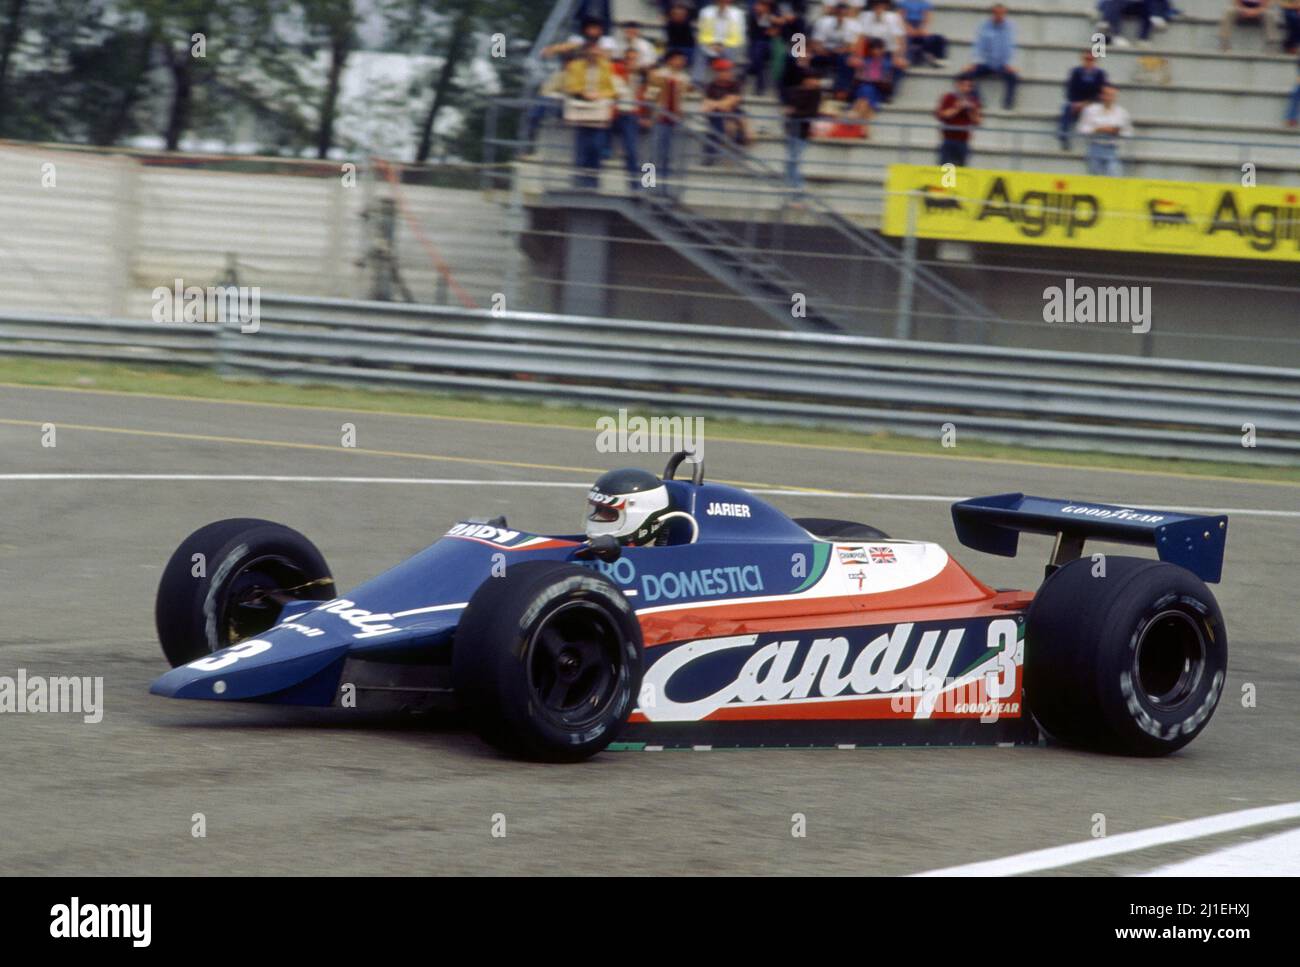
1087 211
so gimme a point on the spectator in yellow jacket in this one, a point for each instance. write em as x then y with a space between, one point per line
719 33
589 77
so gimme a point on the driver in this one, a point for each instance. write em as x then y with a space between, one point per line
628 505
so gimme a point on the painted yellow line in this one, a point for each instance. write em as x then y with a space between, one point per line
588 472
826 447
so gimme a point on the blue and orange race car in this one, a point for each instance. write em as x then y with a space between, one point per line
735 626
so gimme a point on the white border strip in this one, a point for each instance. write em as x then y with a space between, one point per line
461 482
1095 849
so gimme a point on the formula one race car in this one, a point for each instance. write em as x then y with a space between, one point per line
714 619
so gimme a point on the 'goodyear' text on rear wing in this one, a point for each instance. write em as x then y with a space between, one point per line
994 524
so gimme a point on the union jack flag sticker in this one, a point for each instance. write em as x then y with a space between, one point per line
883 555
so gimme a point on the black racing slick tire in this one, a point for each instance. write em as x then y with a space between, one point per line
1128 658
229 581
547 661
840 530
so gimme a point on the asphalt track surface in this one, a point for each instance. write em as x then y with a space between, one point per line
335 792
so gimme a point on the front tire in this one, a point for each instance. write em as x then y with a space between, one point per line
247 570
547 661
1131 662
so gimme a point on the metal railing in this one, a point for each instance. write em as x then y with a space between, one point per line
1039 398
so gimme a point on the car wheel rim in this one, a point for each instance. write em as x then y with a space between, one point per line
1169 660
256 595
576 665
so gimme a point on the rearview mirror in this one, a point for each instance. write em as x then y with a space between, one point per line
605 548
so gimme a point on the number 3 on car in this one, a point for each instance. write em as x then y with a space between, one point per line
245 649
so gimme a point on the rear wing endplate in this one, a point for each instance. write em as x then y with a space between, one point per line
994 525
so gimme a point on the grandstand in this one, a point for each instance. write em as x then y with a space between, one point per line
1200 115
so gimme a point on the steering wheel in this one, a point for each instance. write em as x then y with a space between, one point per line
697 472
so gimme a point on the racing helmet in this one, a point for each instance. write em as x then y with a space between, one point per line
627 505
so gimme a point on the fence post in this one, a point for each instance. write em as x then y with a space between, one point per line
907 273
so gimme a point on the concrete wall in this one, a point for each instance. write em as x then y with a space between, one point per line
110 227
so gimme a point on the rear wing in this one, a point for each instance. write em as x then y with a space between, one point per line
994 525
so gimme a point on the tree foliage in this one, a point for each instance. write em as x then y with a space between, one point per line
265 74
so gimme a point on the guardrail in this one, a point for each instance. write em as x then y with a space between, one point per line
1042 398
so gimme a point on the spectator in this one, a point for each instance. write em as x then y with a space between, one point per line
1291 24
589 83
632 40
720 31
790 24
924 47
591 28
1246 12
1105 122
724 110
874 79
881 23
668 90
1293 105
1113 13
594 10
1082 87
959 112
679 33
835 35
629 80
803 101
995 53
762 26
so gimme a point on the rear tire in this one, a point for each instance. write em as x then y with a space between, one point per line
247 564
840 530
547 661
1133 662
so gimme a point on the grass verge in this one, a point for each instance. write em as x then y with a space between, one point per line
196 384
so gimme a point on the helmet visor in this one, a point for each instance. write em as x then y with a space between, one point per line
604 513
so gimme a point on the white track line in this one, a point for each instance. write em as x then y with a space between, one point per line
1277 855
461 482
1095 849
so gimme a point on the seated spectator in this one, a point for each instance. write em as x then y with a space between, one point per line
924 46
629 81
874 78
631 39
879 22
834 38
679 33
1290 25
667 90
959 112
995 53
1112 16
1247 12
723 107
803 101
1105 122
1082 87
720 33
589 81
761 28
1293 105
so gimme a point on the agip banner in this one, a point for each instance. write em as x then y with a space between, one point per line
1085 211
